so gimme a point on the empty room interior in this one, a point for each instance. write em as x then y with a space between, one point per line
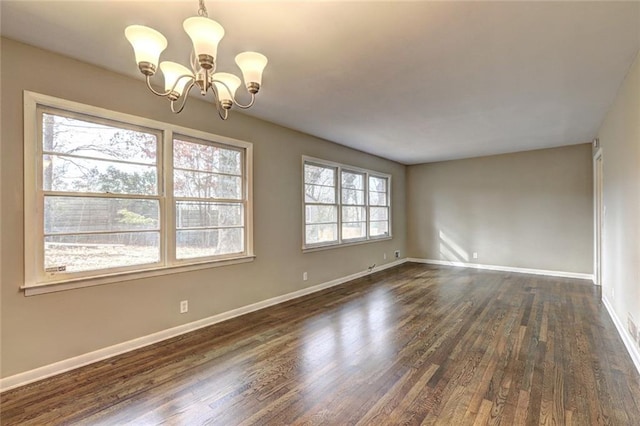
319 212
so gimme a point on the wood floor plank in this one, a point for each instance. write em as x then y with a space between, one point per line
415 344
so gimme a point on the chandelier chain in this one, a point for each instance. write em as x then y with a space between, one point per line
202 11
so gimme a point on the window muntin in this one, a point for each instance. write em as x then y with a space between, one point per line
99 196
209 199
343 204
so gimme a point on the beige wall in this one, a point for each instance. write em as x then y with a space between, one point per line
620 140
40 330
528 210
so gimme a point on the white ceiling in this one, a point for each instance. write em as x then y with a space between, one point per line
410 81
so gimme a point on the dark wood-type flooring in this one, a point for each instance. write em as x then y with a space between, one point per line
414 344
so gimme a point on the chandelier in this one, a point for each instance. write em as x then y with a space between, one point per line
205 34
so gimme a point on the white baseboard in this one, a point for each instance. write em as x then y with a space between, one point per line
43 372
505 268
634 353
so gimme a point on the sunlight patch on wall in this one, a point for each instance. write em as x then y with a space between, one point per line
450 250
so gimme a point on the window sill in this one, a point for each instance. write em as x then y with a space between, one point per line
70 284
349 244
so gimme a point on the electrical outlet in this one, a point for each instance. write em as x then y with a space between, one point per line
397 254
475 255
184 306
304 276
384 256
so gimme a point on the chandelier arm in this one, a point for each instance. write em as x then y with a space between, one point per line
165 94
226 114
215 92
222 113
233 98
189 76
213 80
249 105
154 91
184 100
216 99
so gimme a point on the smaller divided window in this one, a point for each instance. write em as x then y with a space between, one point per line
378 206
321 204
354 206
344 204
209 199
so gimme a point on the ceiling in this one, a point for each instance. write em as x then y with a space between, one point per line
410 81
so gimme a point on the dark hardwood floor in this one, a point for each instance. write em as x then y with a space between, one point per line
411 345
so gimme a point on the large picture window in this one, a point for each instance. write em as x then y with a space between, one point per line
109 194
99 189
343 204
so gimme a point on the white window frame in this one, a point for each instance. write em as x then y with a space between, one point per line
175 199
36 280
336 204
365 205
372 206
339 167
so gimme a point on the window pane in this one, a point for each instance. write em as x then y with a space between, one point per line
78 253
321 233
72 174
379 213
196 214
209 158
377 184
322 214
377 198
84 138
319 175
352 196
378 228
352 180
209 242
84 214
319 194
206 185
354 230
354 214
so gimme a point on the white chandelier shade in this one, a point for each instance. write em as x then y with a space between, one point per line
147 43
205 35
175 76
252 65
226 85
